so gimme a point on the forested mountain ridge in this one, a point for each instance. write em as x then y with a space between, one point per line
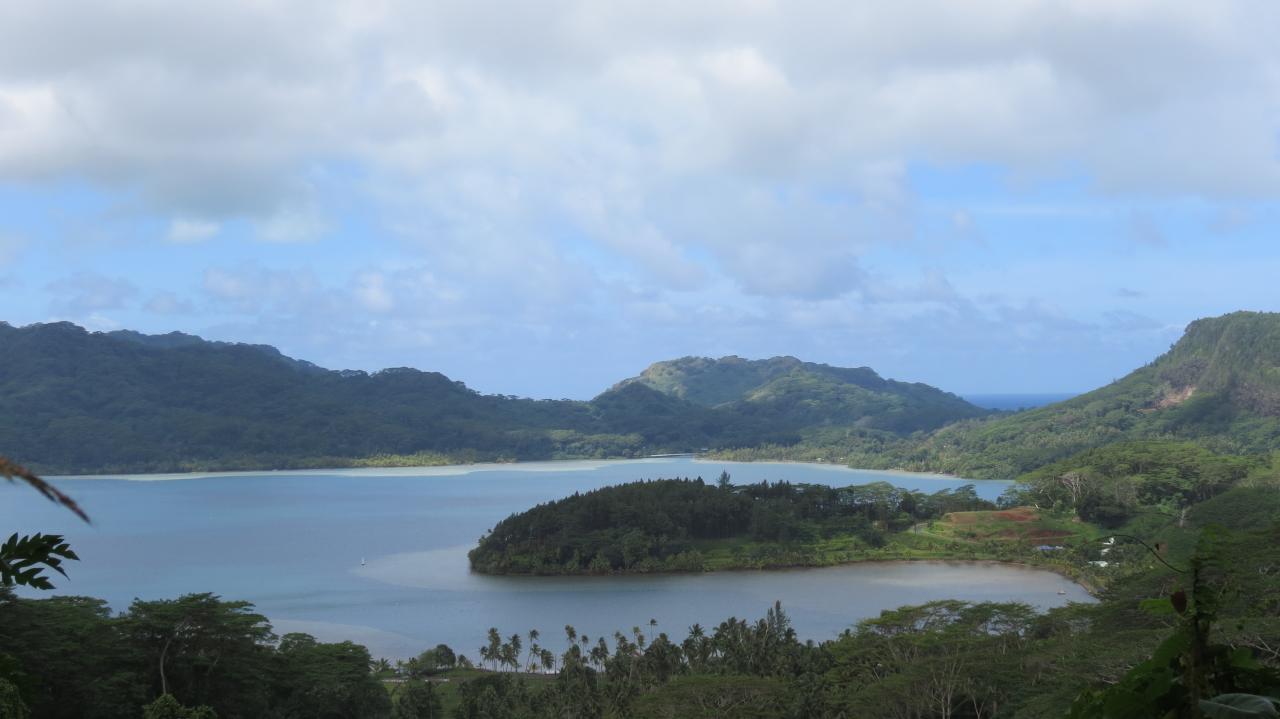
806 392
74 401
1219 386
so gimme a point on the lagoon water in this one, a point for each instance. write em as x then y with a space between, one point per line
293 542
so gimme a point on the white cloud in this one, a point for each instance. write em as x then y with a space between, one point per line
292 225
686 138
188 231
372 293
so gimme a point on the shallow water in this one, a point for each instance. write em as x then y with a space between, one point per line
292 543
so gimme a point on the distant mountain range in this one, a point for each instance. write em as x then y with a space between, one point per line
76 401
79 401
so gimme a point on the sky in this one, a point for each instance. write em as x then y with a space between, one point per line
542 198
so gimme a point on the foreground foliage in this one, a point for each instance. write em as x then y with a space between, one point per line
71 657
941 659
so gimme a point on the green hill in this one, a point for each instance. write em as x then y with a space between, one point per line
76 401
801 395
1219 385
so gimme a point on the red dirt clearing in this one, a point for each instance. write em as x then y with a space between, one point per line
1017 514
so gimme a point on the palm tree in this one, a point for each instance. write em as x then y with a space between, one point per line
531 663
513 655
494 650
600 652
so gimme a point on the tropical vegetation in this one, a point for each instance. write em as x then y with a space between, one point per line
690 525
86 402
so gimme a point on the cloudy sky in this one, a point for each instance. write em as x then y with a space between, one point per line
542 198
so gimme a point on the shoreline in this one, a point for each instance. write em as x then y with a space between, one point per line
834 465
392 470
1089 587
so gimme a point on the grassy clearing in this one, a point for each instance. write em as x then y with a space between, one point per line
1019 524
1012 535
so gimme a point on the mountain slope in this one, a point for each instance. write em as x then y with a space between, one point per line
76 401
71 400
1218 385
799 395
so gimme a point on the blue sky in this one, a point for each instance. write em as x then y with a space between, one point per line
542 199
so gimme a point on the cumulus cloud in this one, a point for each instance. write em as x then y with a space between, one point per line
760 140
290 224
643 179
187 231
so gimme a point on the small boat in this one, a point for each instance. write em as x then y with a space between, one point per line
362 563
1060 591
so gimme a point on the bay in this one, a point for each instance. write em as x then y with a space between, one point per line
378 556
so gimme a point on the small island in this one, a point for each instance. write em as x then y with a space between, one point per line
689 525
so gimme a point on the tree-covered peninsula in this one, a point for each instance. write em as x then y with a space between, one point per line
692 525
1051 517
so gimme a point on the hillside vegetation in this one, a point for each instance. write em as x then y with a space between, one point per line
798 393
1218 386
74 401
689 525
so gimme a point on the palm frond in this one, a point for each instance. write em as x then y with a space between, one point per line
14 472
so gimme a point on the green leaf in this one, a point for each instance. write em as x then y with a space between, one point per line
23 560
1170 649
1157 607
1242 658
1233 706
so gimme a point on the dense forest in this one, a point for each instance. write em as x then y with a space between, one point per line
82 402
683 524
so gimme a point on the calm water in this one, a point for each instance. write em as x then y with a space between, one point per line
292 543
1016 402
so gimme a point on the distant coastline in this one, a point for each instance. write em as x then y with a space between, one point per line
452 469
